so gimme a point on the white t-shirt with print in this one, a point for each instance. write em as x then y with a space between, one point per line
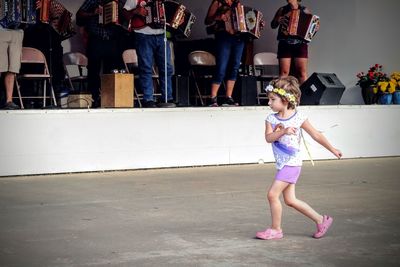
287 149
132 4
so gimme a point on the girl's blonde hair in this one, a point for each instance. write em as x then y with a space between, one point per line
292 88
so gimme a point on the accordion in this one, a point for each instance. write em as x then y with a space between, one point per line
242 20
175 16
179 19
302 25
111 14
17 12
155 17
13 13
60 19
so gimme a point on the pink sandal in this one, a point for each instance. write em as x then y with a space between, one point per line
323 227
270 234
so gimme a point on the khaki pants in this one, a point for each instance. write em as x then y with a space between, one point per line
10 50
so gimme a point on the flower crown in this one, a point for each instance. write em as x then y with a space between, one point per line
279 91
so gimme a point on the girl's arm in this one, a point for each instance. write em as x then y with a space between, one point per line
271 135
320 138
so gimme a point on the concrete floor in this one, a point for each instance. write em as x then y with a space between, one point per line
200 217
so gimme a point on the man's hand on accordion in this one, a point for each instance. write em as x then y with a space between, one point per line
140 11
38 4
284 21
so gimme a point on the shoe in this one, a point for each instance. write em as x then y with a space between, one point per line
170 104
229 102
270 234
149 104
323 227
10 106
213 102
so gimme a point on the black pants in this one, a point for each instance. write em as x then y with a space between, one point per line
103 55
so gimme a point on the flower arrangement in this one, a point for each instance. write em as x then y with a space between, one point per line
372 77
395 78
390 85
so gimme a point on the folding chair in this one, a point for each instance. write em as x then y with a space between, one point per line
202 65
34 56
266 67
75 66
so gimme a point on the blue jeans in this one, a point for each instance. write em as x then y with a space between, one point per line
229 49
147 48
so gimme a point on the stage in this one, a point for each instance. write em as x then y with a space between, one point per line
86 140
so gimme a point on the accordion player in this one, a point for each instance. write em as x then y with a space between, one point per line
242 20
17 12
175 16
302 25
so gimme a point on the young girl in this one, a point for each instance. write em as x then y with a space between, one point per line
282 129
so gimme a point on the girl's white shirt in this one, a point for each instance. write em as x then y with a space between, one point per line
287 142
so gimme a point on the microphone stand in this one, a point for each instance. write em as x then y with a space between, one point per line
165 104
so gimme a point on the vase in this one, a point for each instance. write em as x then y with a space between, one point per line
368 95
396 97
385 99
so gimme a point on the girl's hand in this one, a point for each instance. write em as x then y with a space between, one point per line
290 130
279 127
337 153
38 4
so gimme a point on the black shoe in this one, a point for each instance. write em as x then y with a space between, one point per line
213 102
149 104
96 103
10 106
229 102
170 104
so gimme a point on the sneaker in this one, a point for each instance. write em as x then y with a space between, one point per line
323 227
270 234
213 102
149 104
229 102
10 106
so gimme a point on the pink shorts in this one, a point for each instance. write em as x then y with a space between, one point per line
288 174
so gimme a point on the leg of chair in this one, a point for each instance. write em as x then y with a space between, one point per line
44 92
197 88
137 97
53 95
19 93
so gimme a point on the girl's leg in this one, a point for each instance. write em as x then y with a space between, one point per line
274 192
289 195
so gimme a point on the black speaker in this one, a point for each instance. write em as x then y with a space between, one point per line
321 89
245 91
180 87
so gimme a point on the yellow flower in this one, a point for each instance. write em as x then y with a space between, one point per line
392 87
383 86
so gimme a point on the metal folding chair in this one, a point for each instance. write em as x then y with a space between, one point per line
75 66
266 67
34 56
202 66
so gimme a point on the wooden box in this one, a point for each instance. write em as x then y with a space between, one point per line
117 90
80 101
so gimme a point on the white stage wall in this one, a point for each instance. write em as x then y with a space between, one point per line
59 141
